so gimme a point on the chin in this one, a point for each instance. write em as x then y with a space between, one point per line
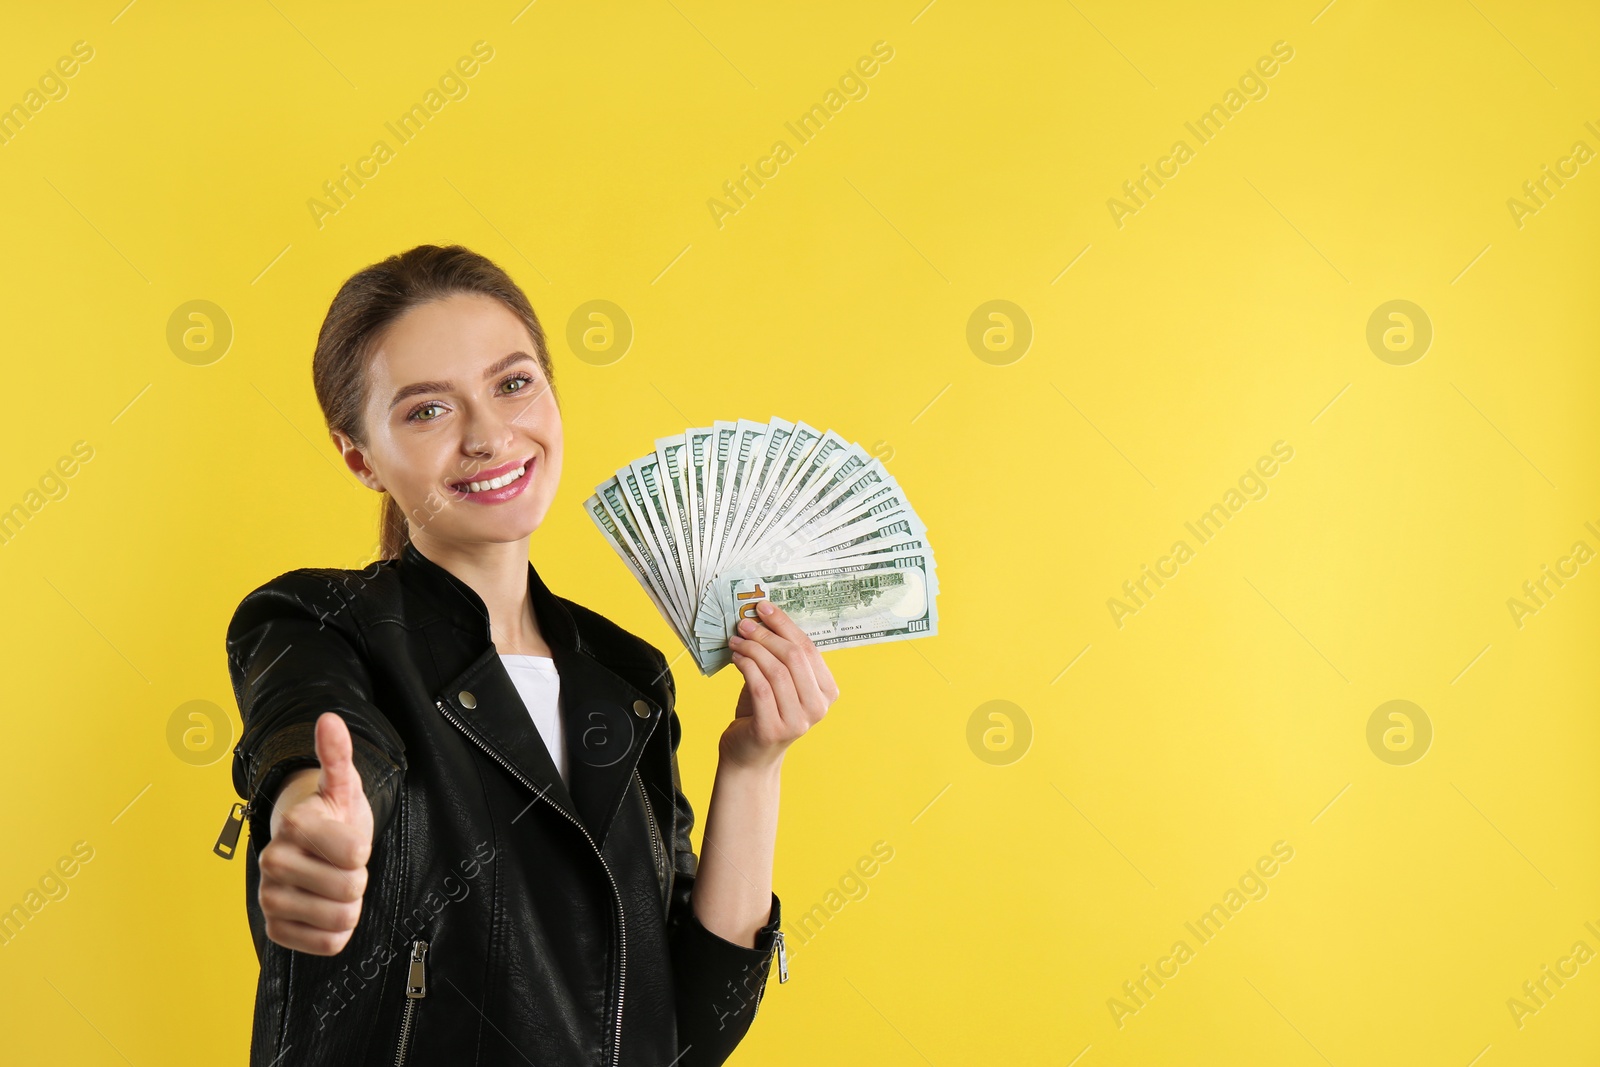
512 527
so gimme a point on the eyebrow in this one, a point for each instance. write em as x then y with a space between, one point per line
418 388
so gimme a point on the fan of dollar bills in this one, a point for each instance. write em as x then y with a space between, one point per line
721 517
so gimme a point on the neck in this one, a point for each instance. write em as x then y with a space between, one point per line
498 573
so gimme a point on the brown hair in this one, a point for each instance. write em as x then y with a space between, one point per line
367 304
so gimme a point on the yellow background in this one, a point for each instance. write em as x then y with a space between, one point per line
1230 312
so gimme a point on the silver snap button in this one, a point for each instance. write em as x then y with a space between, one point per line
467 699
641 709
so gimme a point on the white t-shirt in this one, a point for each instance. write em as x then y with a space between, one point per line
540 686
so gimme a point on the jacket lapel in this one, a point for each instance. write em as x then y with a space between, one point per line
607 720
485 699
607 723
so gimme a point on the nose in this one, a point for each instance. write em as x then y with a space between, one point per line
487 431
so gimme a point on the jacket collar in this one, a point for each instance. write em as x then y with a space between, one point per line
606 718
461 602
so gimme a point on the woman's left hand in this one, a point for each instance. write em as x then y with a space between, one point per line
787 689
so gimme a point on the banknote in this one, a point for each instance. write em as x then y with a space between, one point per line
720 517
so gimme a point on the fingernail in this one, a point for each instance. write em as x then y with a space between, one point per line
734 640
765 607
747 626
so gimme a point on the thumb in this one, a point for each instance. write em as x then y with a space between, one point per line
339 783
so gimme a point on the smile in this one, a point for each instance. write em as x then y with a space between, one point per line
501 486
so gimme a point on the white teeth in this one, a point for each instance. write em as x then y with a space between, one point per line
497 483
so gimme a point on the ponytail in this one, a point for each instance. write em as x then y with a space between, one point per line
394 533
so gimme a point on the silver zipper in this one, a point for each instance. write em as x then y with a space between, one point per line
416 989
783 968
650 817
228 841
622 924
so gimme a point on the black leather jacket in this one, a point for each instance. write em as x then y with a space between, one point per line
506 920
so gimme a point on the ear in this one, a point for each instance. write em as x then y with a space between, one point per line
356 460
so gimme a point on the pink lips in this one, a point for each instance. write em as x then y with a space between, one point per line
502 494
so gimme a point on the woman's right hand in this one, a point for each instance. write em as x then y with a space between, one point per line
314 866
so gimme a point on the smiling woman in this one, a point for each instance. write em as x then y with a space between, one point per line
384 727
381 394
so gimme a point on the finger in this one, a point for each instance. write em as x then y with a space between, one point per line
332 840
779 621
286 863
819 666
292 904
303 938
340 782
754 681
793 654
785 701
772 690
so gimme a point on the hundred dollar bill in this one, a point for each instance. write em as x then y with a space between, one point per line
803 443
621 494
841 606
673 455
815 469
619 533
734 443
766 458
701 441
721 516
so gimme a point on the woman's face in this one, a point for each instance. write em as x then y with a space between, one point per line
455 395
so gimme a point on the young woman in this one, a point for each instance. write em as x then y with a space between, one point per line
468 838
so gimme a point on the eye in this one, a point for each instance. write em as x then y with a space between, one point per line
523 380
417 411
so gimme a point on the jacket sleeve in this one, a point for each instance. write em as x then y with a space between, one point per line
292 655
718 984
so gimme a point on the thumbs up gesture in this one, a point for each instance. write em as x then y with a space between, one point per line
314 866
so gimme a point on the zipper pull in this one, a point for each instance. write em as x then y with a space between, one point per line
783 958
228 840
417 983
